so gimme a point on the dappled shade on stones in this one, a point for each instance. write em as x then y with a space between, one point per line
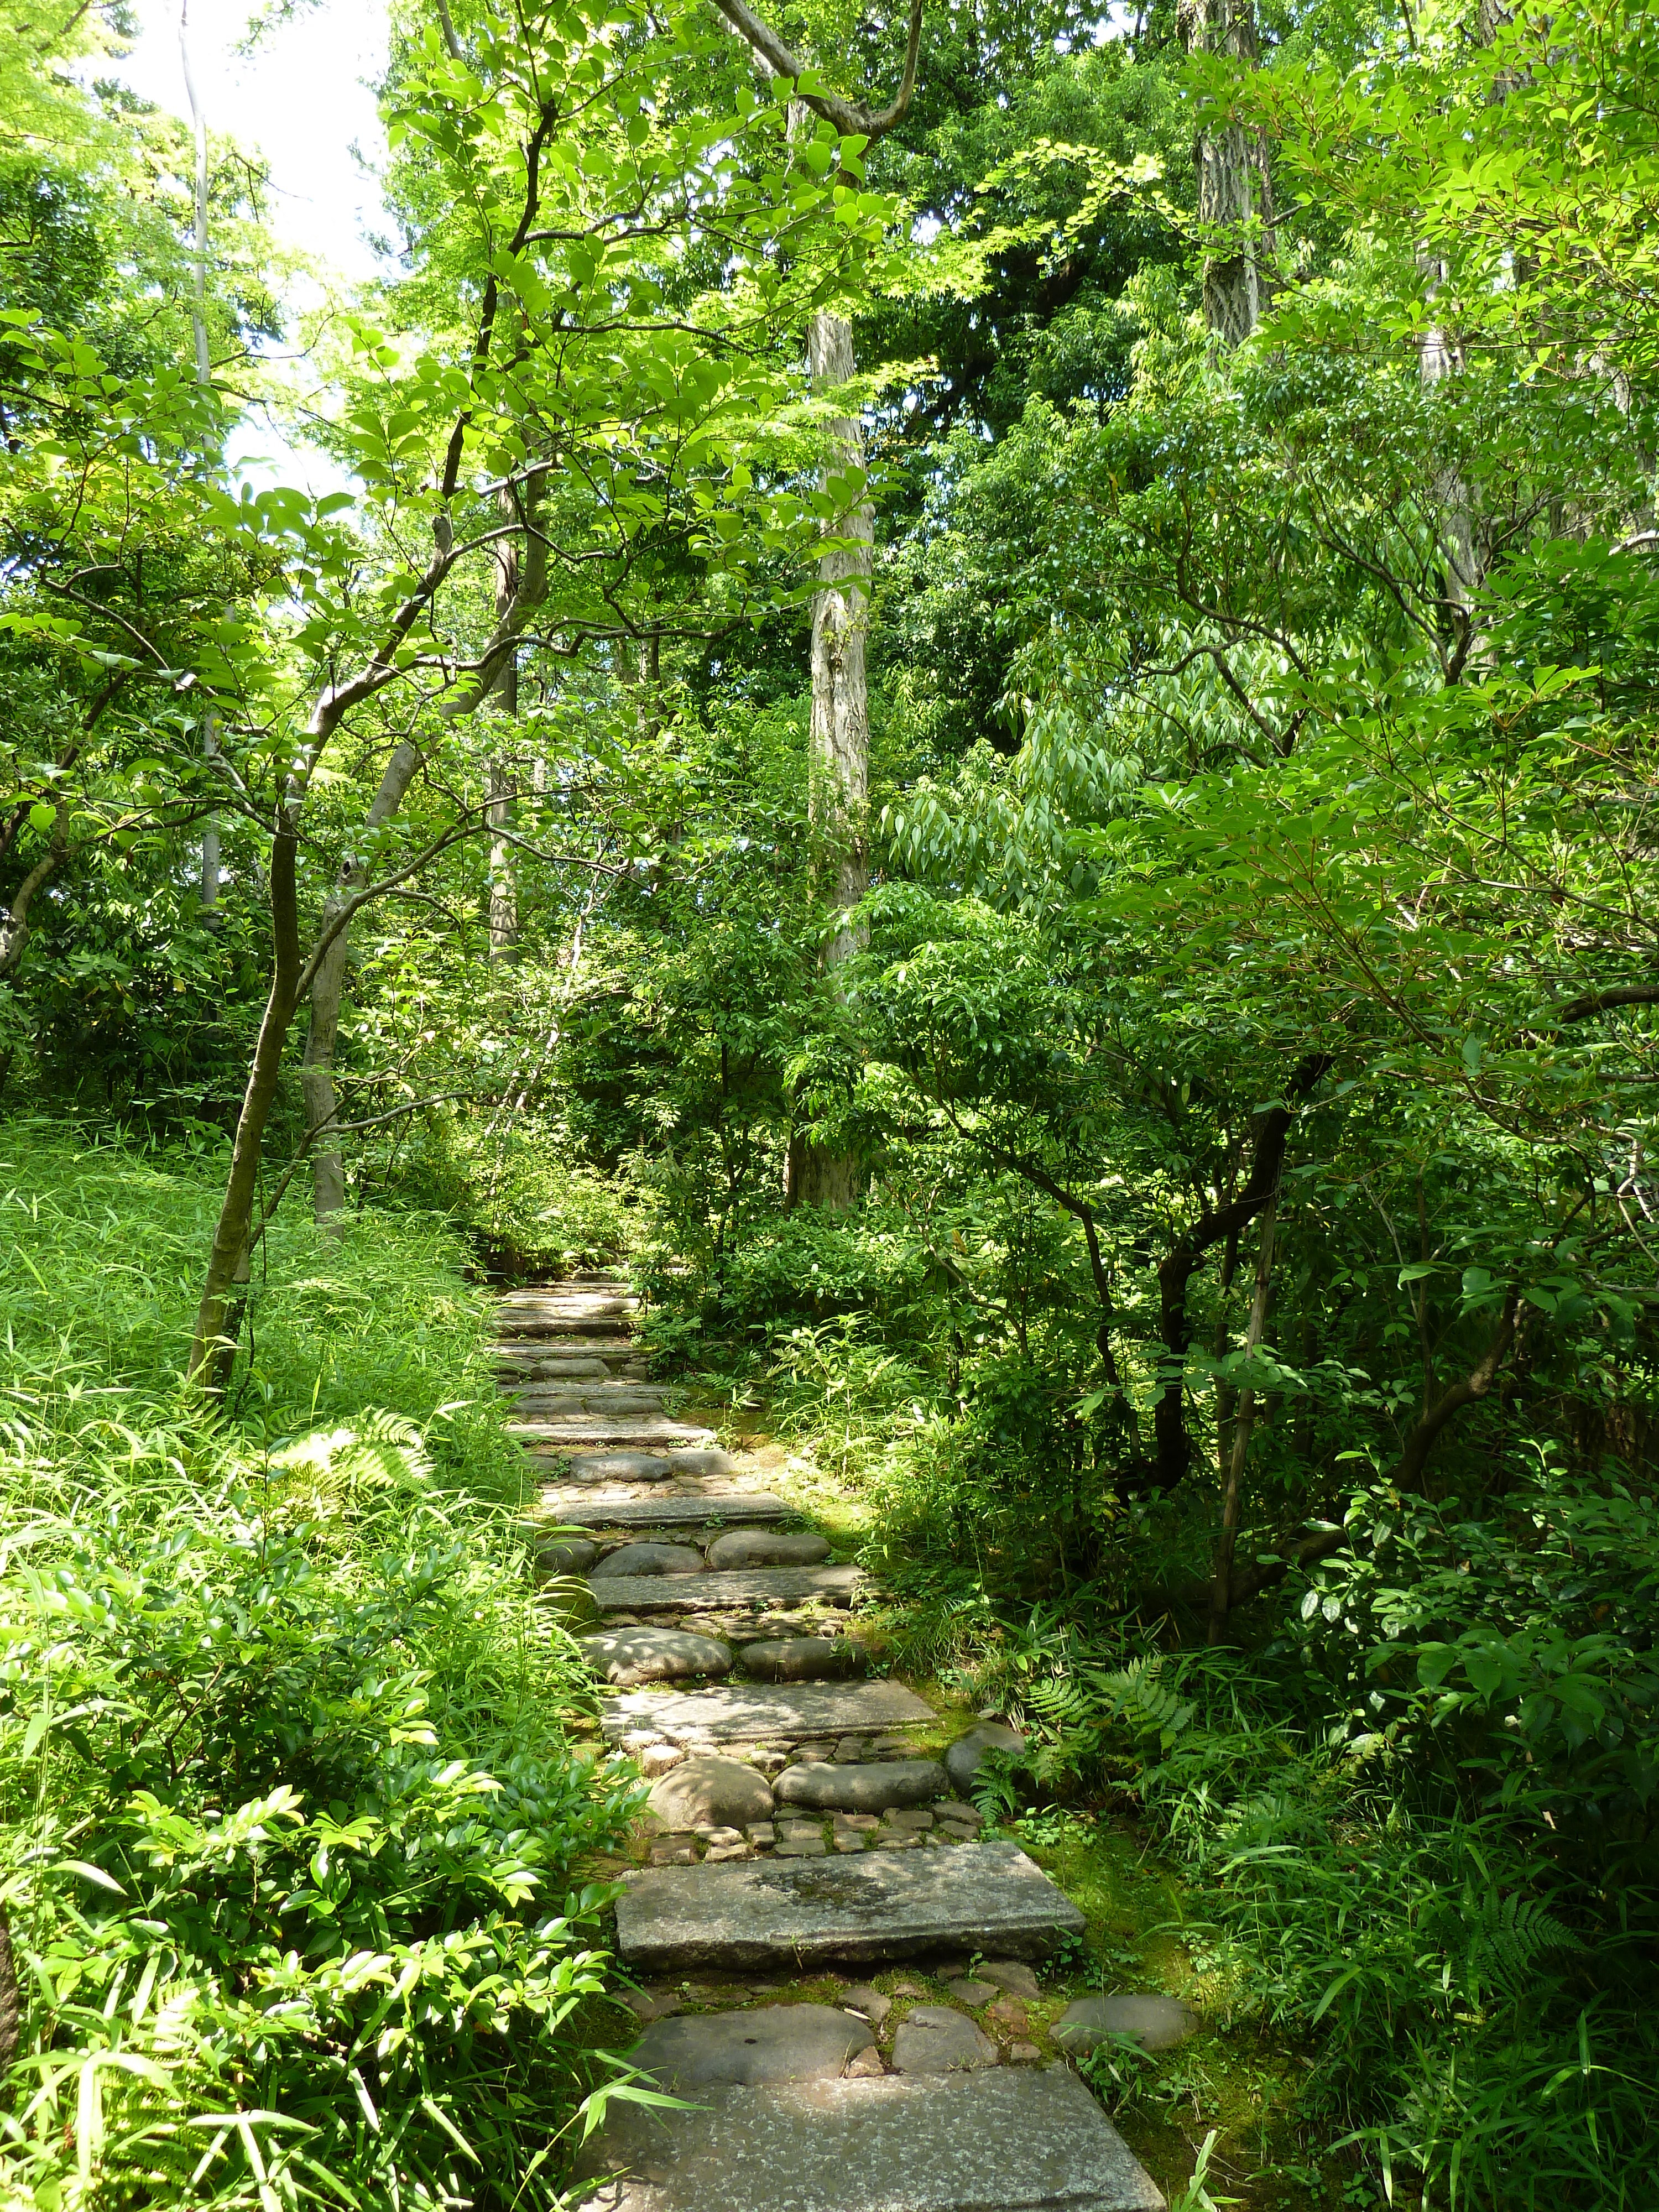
766 1547
620 1467
629 1656
769 2043
804 1659
635 1560
710 1793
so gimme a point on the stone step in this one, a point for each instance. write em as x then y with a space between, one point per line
594 1399
800 1914
767 1712
524 1355
707 1593
593 1431
518 1330
673 1507
1002 2139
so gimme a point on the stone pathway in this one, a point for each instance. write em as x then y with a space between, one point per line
795 1829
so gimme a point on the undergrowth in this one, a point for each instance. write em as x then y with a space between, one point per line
286 1801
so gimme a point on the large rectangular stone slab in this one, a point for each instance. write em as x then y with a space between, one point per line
661 1509
765 1712
1012 2139
714 1592
804 1913
592 1431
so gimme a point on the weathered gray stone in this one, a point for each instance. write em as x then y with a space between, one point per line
665 1509
575 1369
770 2043
868 2001
766 1712
1011 1975
973 1994
1002 2140
753 1587
833 1788
804 1659
638 1559
878 1904
629 1656
1155 2023
621 1466
581 1432
572 1555
962 1759
703 1460
700 1793
767 1548
936 2039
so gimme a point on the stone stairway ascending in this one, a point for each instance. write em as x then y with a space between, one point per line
796 1831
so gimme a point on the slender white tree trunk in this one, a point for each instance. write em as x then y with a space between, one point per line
839 740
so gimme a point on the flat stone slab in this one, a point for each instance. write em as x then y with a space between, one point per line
879 1904
703 1593
662 1510
554 1401
1155 2023
593 1431
765 1712
1010 2140
764 2044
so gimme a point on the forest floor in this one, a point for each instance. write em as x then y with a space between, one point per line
1223 2080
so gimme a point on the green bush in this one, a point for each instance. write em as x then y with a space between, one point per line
287 1804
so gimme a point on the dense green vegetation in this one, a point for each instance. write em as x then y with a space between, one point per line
1216 1018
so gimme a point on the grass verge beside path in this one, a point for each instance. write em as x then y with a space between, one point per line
287 1800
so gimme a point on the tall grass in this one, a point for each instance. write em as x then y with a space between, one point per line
288 1805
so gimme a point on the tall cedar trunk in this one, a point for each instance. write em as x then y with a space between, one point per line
328 985
1233 1487
1235 187
839 743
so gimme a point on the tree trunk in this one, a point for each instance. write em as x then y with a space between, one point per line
838 752
214 1347
1235 186
498 812
1233 1488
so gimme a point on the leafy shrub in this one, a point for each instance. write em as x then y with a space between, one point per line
287 1804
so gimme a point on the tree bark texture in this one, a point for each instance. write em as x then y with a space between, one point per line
503 878
838 749
1233 1486
1235 183
213 1348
